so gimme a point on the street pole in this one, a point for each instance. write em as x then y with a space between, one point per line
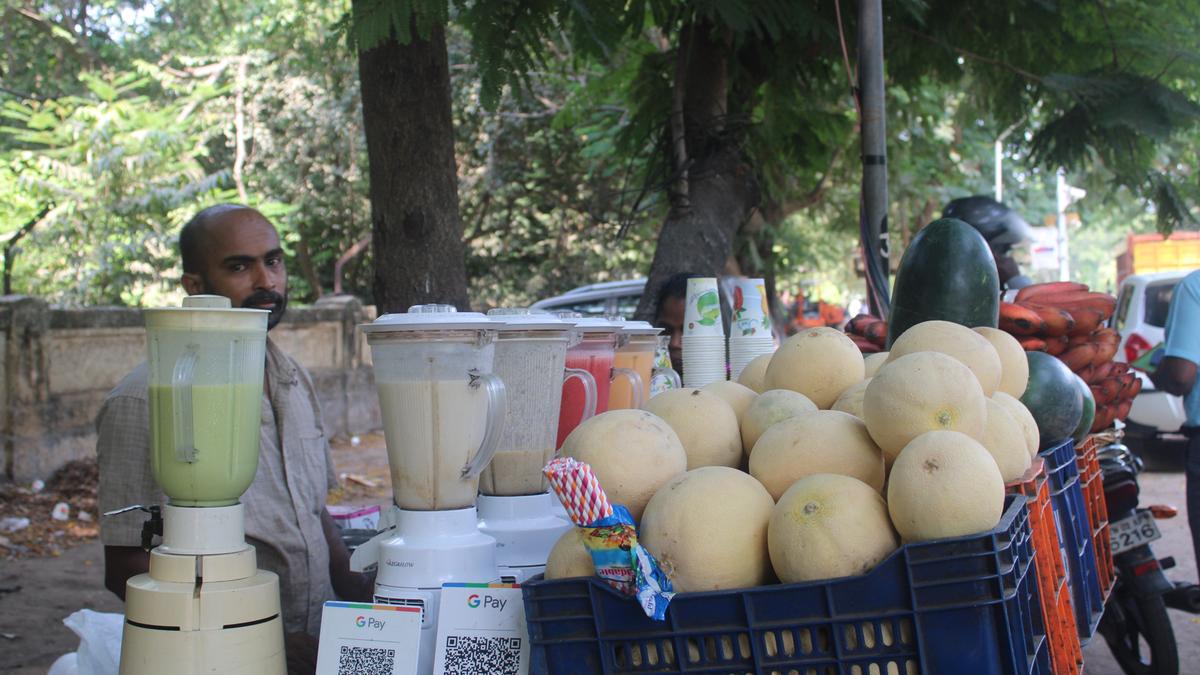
874 205
1063 194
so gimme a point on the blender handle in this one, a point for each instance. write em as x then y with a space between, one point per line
589 390
635 382
497 411
181 403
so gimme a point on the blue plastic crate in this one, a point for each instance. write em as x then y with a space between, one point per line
968 604
1075 537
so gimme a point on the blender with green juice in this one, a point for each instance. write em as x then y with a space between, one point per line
204 607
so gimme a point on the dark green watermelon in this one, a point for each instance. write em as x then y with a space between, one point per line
947 273
1089 411
1053 398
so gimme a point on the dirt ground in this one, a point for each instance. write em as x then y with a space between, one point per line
38 591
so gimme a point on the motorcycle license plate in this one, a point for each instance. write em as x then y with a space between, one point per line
1134 531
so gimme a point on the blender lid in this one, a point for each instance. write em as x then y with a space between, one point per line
524 318
210 313
589 324
429 317
640 328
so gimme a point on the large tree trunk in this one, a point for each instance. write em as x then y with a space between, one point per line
419 252
717 190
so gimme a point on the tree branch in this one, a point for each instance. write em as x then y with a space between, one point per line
352 252
10 245
679 151
239 132
976 57
1112 40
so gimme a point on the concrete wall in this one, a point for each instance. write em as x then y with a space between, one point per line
58 364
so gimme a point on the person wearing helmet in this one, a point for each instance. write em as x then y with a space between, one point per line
1001 227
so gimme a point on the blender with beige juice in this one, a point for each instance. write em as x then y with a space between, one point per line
443 416
203 607
515 507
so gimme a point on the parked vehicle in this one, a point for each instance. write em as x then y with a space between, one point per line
1135 623
611 298
1152 253
1142 304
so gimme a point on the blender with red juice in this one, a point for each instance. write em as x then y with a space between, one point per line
595 351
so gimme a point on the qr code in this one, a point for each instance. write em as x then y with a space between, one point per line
366 661
467 655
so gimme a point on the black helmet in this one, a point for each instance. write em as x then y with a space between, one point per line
999 225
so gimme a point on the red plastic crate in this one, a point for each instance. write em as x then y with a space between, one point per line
1058 615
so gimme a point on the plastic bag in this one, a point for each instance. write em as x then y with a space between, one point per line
99 634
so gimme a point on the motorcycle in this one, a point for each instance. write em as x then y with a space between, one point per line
1135 623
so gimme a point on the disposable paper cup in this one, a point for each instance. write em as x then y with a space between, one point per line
702 308
696 380
751 316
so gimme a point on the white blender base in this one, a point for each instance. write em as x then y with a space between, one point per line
525 529
417 552
203 614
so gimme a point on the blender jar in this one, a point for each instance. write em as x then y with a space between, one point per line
531 355
443 409
636 355
206 364
595 353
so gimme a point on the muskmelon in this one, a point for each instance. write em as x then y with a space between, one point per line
820 363
738 396
1014 368
827 526
922 392
1005 440
944 484
1021 414
754 375
822 441
632 453
569 557
873 362
705 424
708 530
770 407
851 400
968 347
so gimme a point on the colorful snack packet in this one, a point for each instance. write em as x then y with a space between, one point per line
610 536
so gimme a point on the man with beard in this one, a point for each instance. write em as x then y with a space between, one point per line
234 251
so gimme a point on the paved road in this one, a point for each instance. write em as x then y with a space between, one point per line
1162 488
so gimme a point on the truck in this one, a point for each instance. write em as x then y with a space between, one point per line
1151 253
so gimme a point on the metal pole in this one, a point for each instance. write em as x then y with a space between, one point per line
1063 194
874 206
999 171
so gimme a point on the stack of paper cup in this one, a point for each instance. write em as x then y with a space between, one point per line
703 334
750 333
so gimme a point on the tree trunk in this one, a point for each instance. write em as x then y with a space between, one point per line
721 190
417 234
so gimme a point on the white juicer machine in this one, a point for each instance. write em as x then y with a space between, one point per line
204 607
443 414
515 505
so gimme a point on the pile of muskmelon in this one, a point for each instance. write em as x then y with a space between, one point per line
818 463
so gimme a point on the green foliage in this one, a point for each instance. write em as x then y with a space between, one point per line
119 174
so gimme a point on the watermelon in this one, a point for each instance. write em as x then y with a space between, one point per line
1053 398
947 273
1089 411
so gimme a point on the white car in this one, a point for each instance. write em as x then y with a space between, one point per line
611 298
1142 304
